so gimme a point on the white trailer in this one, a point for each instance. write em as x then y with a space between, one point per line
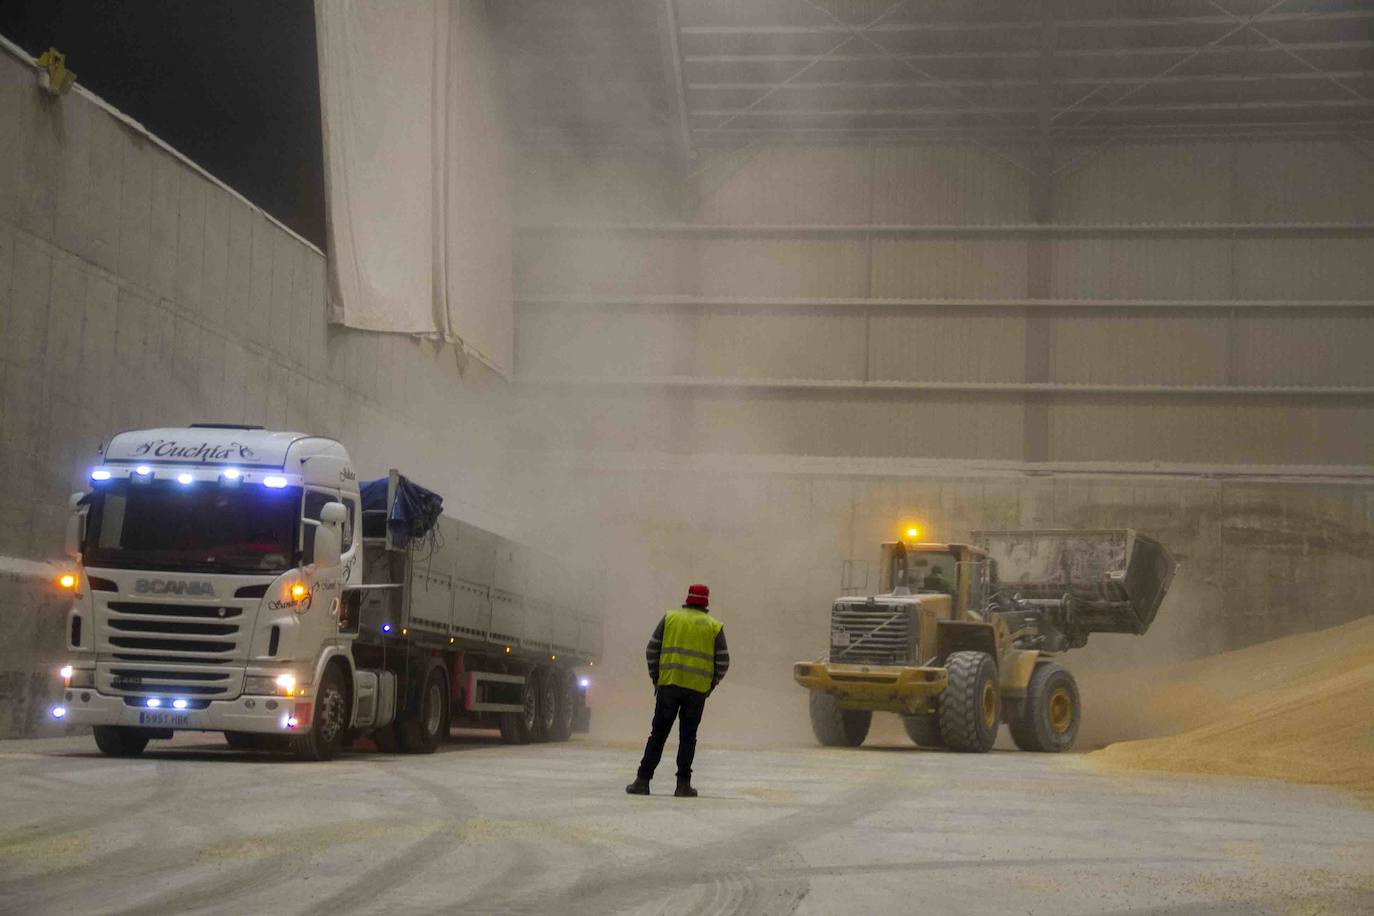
232 579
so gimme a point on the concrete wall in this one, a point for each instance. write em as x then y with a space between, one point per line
135 291
1207 332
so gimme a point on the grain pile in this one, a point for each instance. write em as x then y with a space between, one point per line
1299 709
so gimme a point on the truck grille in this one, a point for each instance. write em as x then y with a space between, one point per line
871 634
156 649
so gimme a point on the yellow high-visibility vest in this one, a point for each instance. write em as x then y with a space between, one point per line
688 656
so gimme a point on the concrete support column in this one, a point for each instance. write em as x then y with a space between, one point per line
1040 254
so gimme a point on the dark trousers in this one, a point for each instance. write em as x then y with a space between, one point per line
685 706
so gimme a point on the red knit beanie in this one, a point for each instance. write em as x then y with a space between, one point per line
698 596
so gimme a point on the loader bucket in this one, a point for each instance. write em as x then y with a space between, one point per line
1116 578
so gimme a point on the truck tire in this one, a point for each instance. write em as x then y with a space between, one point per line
330 720
118 741
423 733
518 727
567 707
385 738
547 691
970 707
924 731
241 741
836 727
1050 713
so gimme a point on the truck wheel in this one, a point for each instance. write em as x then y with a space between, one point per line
923 731
118 741
836 727
518 727
548 690
422 735
567 707
1049 715
385 738
322 741
970 706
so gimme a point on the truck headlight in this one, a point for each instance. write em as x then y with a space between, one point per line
275 685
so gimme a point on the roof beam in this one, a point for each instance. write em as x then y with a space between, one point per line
1075 53
710 31
677 92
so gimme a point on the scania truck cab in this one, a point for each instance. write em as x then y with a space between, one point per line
212 561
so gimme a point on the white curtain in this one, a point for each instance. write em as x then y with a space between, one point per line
415 176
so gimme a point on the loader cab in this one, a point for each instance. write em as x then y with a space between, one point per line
960 571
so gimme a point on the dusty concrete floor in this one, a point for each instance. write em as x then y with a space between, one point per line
484 828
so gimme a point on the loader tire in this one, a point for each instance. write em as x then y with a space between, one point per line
1048 719
836 727
924 731
970 707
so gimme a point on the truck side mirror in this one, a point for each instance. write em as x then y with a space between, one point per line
329 535
76 519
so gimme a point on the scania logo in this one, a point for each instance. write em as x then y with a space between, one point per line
174 587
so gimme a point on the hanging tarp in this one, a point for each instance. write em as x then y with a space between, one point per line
411 514
415 178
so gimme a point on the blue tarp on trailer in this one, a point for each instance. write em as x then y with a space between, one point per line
412 513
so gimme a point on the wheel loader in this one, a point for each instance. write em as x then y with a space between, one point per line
964 637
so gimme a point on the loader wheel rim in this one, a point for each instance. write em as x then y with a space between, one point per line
989 704
1061 711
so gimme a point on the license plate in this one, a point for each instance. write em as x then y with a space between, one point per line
166 719
839 638
125 682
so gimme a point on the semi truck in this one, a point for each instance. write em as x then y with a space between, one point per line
961 638
241 580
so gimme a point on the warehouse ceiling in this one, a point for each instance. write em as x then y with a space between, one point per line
686 76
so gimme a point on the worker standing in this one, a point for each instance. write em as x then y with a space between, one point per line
687 658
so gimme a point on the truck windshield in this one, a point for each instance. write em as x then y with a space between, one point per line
205 527
932 572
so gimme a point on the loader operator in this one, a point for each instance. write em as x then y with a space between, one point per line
936 581
687 658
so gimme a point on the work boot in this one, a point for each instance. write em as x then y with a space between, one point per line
638 787
684 790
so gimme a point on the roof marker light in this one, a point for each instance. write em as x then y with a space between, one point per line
584 682
100 474
231 474
275 481
143 470
153 703
179 704
59 712
185 478
386 628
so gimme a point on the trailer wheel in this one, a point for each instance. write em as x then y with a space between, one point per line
836 727
567 706
518 727
970 705
548 691
924 731
422 734
322 741
385 738
118 741
1050 713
